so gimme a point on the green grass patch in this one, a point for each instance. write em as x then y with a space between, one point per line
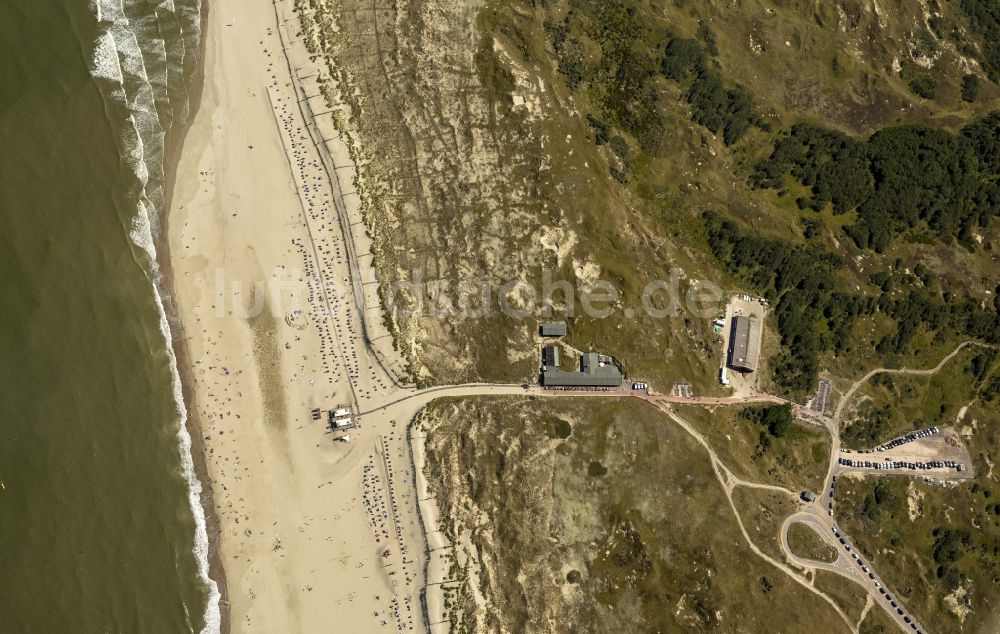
797 460
805 543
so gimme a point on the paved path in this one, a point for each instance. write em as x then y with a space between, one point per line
846 565
842 565
817 514
403 404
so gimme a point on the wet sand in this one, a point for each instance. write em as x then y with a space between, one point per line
173 147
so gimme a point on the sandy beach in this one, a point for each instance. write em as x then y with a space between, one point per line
280 324
314 533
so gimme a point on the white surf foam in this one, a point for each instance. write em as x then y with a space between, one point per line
212 616
119 66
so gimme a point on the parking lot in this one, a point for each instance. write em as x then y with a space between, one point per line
936 452
821 400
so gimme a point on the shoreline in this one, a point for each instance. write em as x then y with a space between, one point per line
305 531
173 148
294 527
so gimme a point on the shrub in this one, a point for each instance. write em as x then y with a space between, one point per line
970 88
924 86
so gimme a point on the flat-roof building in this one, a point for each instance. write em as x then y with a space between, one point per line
744 343
550 356
596 370
553 329
340 418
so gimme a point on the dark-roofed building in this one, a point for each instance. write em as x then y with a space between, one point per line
744 343
550 357
596 371
553 329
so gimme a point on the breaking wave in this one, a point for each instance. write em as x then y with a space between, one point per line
143 61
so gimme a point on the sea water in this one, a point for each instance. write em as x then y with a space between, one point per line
101 525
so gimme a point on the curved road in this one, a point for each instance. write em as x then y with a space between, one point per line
817 516
848 564
404 404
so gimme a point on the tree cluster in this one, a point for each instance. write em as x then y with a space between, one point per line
984 19
870 429
799 280
833 164
950 544
776 418
921 308
882 498
632 59
723 110
815 316
901 177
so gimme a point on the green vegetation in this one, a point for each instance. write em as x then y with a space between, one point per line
805 543
878 622
766 584
763 512
655 531
622 80
924 86
933 542
562 429
800 281
814 316
595 469
892 405
884 496
776 418
833 164
900 178
496 78
944 314
874 426
796 459
682 57
630 77
984 20
850 596
991 390
725 111
970 88
631 59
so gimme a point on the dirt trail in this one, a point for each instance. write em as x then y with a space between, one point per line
857 384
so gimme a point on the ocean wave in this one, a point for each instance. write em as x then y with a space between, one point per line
124 53
212 615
